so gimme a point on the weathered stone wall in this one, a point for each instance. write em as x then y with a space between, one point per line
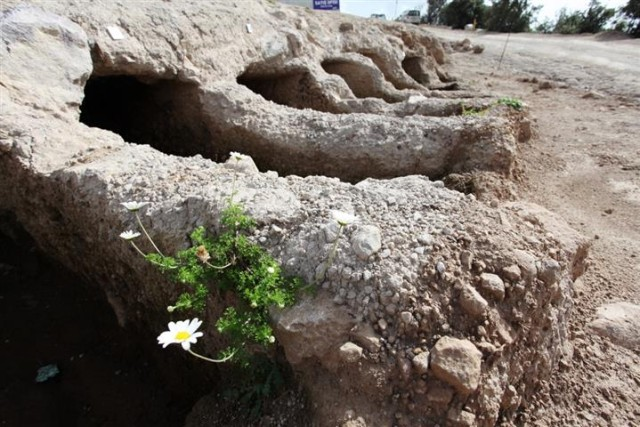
437 309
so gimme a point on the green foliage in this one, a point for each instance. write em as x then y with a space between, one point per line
459 13
592 20
472 111
514 103
546 27
568 23
232 262
510 16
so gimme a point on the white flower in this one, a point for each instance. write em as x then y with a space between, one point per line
134 206
129 235
271 270
182 332
343 218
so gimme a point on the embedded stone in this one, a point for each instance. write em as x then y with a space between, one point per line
472 302
458 363
350 352
366 241
421 362
527 263
492 285
549 271
512 273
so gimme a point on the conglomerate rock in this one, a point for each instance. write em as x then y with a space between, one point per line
424 267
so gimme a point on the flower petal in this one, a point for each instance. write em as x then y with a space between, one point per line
186 345
194 325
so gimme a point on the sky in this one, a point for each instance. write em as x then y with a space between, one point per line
550 8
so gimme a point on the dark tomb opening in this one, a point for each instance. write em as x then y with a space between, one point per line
165 114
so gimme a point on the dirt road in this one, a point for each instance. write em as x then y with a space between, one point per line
606 63
584 164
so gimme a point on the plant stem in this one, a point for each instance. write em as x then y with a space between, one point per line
224 359
216 267
138 249
144 230
145 256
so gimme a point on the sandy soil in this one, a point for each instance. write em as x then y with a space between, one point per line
584 163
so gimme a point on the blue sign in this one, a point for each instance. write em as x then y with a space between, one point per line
326 4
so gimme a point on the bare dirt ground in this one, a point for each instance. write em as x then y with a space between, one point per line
584 163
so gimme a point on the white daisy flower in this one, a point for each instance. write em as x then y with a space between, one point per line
129 235
343 218
182 332
271 270
134 206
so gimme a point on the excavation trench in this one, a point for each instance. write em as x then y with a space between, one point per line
178 118
295 89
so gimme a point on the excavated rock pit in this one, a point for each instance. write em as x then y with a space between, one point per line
438 308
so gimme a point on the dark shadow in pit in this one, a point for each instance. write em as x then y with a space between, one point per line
416 67
106 374
165 114
359 78
295 89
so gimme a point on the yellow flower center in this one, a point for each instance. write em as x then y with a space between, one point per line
183 335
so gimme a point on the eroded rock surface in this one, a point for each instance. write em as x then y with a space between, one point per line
366 345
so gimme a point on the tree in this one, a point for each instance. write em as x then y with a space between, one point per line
510 16
459 13
595 18
434 7
568 23
632 12
592 20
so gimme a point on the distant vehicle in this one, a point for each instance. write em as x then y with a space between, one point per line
410 17
379 16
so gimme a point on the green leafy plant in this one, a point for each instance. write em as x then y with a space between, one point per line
230 262
472 111
514 103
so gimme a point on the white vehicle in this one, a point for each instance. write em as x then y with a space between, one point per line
410 17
